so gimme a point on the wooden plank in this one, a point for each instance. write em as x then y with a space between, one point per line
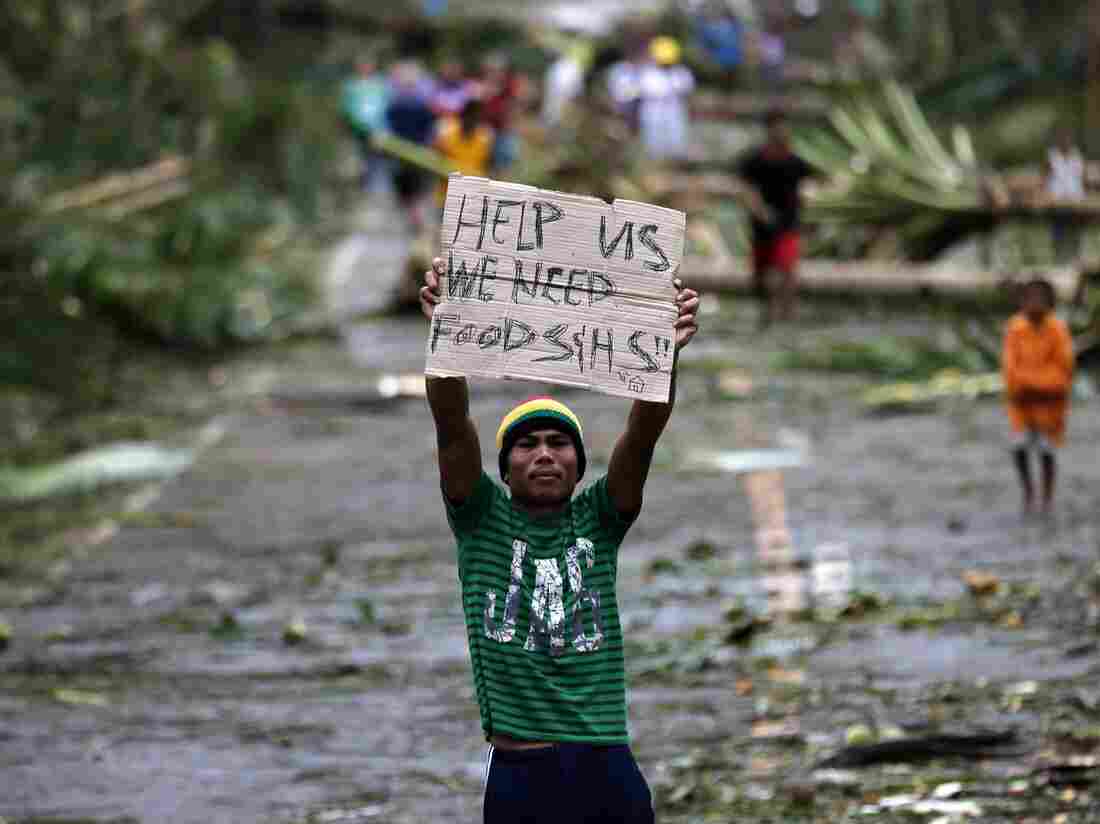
556 287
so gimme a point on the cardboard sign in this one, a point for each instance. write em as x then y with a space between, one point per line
556 287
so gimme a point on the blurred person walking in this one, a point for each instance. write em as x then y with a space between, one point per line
664 86
1064 182
770 45
363 103
624 82
502 91
563 83
452 90
1037 366
721 37
774 174
537 568
467 141
410 118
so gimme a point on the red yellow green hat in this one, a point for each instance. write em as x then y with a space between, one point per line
539 413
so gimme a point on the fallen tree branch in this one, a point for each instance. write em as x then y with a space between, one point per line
168 175
925 748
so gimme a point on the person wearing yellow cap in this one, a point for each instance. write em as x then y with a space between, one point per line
537 567
665 51
664 85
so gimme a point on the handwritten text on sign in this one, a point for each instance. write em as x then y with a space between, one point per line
556 287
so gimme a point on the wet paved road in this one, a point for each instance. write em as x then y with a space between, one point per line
152 682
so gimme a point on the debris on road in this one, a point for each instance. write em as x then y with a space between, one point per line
978 745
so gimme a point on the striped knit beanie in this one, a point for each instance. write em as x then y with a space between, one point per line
534 414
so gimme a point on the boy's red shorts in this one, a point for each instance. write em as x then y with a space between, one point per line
781 252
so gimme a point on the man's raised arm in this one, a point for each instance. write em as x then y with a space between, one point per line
633 453
449 400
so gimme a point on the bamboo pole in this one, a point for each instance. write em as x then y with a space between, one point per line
428 160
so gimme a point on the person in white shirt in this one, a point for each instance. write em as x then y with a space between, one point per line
664 86
624 84
563 84
1064 182
1065 177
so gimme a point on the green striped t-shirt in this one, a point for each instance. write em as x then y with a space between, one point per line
541 615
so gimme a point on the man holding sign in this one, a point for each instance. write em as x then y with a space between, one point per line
556 287
538 566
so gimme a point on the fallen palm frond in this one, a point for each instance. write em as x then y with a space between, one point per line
888 167
890 357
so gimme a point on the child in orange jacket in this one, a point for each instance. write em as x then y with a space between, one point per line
1037 365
